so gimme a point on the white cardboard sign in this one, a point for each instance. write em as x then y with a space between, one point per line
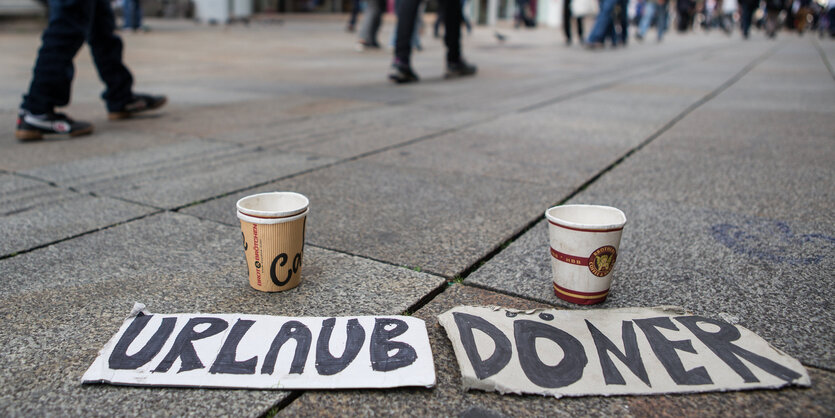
611 352
265 352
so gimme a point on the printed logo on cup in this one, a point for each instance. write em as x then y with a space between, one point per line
602 260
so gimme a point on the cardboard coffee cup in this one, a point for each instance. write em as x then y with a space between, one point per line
273 226
584 247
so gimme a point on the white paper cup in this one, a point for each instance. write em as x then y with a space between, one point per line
584 247
273 227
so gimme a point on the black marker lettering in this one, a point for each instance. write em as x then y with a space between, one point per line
225 361
500 357
631 358
183 348
720 343
567 371
327 364
665 350
381 344
119 358
297 331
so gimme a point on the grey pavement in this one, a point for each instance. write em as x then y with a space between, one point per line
423 197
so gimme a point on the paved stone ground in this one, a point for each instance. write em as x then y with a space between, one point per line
424 197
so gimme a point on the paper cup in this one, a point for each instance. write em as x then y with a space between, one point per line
584 247
273 226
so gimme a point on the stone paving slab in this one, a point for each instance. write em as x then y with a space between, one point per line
179 174
436 221
714 229
62 304
109 138
449 399
763 271
34 213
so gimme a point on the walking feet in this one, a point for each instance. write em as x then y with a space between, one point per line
138 103
459 68
402 73
31 127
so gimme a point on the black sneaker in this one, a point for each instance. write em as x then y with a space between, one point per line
31 127
459 69
402 73
138 103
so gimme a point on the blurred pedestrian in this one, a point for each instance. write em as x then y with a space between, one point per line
372 19
604 25
356 6
686 12
567 15
439 17
71 23
655 12
132 13
418 27
456 66
746 15
772 16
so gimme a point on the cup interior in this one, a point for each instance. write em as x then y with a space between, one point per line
587 216
273 205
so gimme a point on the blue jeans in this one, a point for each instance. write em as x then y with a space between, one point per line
71 23
132 10
654 13
603 25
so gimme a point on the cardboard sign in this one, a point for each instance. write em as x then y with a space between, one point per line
265 352
611 352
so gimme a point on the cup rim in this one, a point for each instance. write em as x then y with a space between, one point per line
270 221
267 214
587 227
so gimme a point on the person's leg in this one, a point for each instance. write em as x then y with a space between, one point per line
624 21
137 14
371 22
566 20
661 21
406 13
355 10
745 19
401 69
464 18
452 29
601 24
69 22
646 19
418 25
106 49
127 14
580 30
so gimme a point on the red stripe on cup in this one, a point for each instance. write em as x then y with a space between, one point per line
584 230
268 217
570 259
580 298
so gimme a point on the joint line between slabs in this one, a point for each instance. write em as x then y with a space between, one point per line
430 136
92 231
724 86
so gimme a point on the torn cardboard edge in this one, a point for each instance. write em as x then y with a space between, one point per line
626 351
265 352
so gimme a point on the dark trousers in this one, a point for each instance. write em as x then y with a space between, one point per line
71 23
406 13
566 19
746 17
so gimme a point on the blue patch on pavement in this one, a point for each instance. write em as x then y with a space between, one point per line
773 241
